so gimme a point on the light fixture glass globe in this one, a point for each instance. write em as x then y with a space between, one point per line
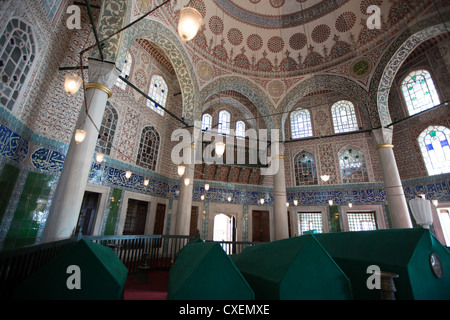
146 182
189 23
261 200
128 174
72 84
202 197
325 177
295 202
220 148
330 202
287 204
206 187
181 170
187 181
99 157
229 198
80 135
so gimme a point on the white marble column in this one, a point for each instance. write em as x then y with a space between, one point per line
66 203
184 208
398 206
280 199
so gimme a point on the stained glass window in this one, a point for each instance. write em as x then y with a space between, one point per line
17 53
126 69
301 124
148 148
344 116
107 130
240 129
310 223
158 92
434 144
305 169
224 122
419 92
353 165
206 122
361 221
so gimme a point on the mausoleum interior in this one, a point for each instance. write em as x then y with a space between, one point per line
274 119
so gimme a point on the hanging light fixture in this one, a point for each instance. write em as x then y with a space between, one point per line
146 182
350 204
287 204
99 157
128 174
202 197
72 84
187 181
189 23
435 202
80 135
421 211
181 170
261 200
220 148
229 198
330 202
206 187
295 202
325 177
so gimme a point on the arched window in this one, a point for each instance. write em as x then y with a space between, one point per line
240 129
433 143
344 116
148 148
158 92
305 168
107 130
419 92
301 124
126 69
224 122
353 165
17 53
206 122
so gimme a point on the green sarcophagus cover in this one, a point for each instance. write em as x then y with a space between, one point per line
293 269
86 271
203 271
405 252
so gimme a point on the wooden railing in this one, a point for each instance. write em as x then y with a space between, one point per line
157 251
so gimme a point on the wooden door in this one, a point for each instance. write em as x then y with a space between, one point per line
87 213
159 219
194 218
261 227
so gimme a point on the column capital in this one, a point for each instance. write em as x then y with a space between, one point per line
102 75
382 137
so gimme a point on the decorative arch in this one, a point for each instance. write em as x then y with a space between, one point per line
247 88
163 37
322 82
393 59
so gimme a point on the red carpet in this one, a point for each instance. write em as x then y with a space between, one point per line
155 289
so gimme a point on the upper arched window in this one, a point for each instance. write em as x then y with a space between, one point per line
158 92
148 148
107 130
419 92
224 122
17 53
206 122
344 116
305 168
240 129
301 124
434 144
126 69
353 165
